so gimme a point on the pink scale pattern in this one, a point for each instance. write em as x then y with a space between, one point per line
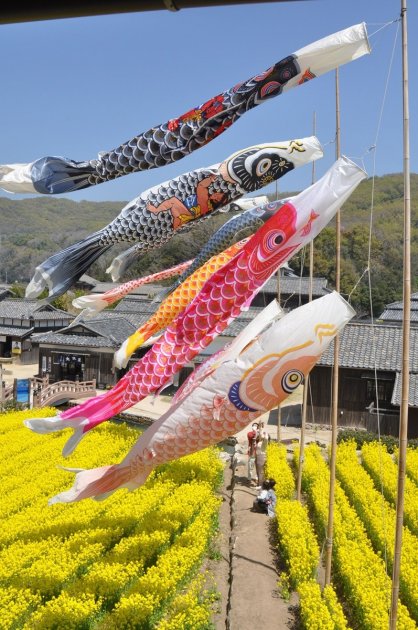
221 299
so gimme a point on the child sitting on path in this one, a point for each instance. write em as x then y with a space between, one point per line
266 500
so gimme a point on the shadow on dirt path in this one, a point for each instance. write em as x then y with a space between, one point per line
247 573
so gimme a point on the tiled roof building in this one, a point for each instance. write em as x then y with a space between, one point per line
19 318
393 313
370 364
369 347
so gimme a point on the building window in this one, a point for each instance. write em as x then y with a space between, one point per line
384 390
72 367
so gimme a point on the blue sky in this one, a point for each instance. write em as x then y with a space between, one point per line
79 86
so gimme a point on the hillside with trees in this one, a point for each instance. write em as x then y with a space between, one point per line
33 229
386 247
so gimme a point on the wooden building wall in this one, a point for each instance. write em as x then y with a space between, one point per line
291 301
30 353
353 402
97 365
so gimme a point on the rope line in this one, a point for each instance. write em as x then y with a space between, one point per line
384 25
356 285
302 265
373 149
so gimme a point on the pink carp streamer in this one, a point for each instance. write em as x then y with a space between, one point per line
222 298
175 303
95 303
243 385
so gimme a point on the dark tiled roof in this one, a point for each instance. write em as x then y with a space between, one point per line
15 332
136 319
413 390
249 314
399 305
102 287
4 293
61 339
55 314
356 348
21 308
296 285
136 306
147 307
85 279
113 328
106 330
200 358
17 308
396 315
235 327
394 312
240 322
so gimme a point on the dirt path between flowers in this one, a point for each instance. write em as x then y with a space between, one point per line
246 573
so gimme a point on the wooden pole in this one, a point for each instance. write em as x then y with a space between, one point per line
3 373
403 428
335 383
306 383
1 384
279 409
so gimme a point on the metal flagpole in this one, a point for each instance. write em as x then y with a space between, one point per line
403 428
335 375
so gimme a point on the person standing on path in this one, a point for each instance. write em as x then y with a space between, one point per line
262 441
252 441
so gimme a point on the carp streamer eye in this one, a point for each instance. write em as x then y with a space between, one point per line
291 380
262 167
273 239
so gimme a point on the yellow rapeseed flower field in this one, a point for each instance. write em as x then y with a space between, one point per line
130 559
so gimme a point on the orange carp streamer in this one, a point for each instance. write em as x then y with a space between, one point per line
175 304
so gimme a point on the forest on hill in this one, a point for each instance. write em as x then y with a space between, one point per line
33 229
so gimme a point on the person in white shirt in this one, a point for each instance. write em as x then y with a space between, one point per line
262 441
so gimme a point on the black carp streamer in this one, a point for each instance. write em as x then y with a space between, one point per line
159 212
173 140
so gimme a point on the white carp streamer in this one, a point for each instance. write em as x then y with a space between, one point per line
265 364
